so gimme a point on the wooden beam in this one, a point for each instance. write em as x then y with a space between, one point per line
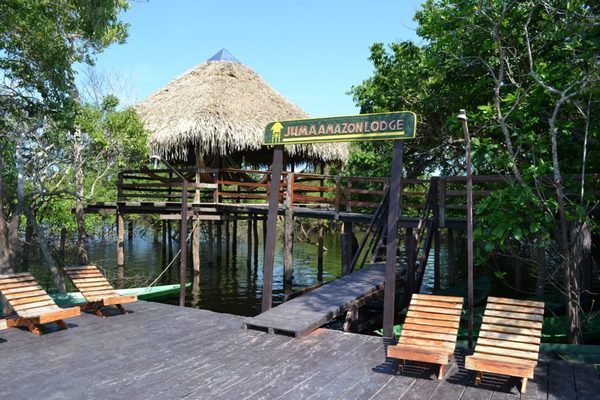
269 258
392 240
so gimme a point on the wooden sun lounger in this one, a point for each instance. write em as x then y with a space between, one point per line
430 330
96 289
3 324
31 303
509 339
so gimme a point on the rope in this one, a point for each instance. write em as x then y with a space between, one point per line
195 225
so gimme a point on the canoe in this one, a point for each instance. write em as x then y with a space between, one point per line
143 293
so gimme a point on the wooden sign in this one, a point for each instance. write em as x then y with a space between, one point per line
381 126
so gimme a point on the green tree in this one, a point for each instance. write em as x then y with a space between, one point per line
40 41
527 72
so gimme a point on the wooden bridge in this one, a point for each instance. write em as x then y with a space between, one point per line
302 315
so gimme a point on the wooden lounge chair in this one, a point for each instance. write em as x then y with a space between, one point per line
429 331
509 339
31 303
3 324
96 289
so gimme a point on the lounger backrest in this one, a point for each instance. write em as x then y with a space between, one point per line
432 321
511 328
26 297
90 282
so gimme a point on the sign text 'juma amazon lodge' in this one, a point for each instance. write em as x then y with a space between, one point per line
382 126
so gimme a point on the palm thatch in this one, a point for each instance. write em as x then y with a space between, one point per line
221 108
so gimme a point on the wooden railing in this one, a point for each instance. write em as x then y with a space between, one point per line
339 193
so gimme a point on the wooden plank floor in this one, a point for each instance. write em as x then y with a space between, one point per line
166 352
302 315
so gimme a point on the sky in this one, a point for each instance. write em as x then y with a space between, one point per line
310 51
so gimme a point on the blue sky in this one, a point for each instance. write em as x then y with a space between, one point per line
310 51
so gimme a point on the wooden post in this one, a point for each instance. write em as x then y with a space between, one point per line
451 262
249 242
288 231
170 240
196 248
264 233
164 244
269 258
234 234
211 242
120 240
130 230
409 246
219 242
442 202
436 259
320 253
227 242
255 243
183 245
392 241
462 116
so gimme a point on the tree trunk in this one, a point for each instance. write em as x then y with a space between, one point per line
82 254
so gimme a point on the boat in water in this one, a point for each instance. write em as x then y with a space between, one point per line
143 293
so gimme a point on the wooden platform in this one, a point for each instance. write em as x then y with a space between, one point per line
306 313
166 352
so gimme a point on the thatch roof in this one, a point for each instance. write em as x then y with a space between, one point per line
223 106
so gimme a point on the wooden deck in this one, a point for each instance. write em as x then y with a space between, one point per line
166 352
304 314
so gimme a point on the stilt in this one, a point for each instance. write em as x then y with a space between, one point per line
170 240
165 262
524 385
255 233
436 259
451 261
288 233
196 249
249 242
211 243
348 247
441 372
227 242
478 378
130 225
219 242
234 234
120 240
409 246
320 254
264 233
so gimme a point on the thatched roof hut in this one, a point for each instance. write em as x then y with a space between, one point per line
219 110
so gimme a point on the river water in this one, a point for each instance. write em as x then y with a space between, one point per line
232 287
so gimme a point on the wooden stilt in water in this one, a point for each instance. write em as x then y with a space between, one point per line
196 249
288 234
411 257
130 230
120 240
320 254
255 243
249 242
227 242
264 233
219 242
234 234
451 260
170 240
211 243
436 259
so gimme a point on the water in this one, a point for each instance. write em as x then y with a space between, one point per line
232 287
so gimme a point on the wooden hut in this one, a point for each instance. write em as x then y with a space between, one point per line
215 115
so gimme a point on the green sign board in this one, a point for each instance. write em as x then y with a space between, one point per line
382 126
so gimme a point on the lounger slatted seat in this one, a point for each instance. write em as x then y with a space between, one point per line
31 303
96 289
509 339
430 330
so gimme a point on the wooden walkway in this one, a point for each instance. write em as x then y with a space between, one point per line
304 314
166 352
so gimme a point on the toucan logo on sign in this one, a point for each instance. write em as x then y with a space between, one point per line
382 126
